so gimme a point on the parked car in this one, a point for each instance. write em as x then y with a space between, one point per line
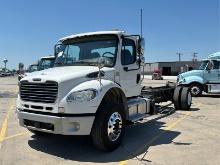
4 73
157 75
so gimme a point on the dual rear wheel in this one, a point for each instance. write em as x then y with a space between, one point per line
182 98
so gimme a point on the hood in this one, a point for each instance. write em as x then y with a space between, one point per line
192 73
68 76
64 73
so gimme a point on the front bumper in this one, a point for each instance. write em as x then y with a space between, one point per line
65 125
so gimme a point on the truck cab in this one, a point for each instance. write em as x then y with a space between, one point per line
31 68
46 63
93 89
206 78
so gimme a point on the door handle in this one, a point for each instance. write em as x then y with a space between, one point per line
125 68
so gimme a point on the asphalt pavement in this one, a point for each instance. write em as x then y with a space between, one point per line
170 137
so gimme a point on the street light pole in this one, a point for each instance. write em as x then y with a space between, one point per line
179 54
194 59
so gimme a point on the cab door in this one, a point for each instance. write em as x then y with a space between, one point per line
130 75
212 73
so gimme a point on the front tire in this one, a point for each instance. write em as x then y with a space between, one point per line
109 127
196 90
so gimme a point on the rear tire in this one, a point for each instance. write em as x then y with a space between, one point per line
109 127
186 99
177 97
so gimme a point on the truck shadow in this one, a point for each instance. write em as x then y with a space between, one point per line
211 95
8 94
137 140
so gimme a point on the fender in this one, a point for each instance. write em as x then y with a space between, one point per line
192 79
92 105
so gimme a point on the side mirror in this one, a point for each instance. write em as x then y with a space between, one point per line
141 60
58 48
141 46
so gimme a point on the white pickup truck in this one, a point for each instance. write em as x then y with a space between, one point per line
94 89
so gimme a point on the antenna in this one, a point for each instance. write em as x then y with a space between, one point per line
141 23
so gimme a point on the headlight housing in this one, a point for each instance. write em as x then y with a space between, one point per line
180 79
80 96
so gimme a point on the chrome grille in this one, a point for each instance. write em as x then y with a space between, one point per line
39 92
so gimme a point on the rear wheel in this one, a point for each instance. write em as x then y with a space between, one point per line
177 97
186 99
109 127
196 90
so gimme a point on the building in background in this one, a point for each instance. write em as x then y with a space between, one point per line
171 68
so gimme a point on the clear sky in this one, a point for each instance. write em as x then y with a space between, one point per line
30 28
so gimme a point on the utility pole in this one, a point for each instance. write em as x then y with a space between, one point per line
141 23
194 59
179 54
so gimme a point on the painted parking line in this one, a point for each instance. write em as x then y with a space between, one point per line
16 135
5 124
155 138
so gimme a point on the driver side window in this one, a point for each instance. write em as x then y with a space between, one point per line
128 53
216 64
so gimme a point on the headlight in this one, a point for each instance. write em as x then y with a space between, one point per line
80 96
178 78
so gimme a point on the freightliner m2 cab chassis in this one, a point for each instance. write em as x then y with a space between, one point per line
94 89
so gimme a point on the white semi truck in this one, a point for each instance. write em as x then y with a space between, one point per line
94 89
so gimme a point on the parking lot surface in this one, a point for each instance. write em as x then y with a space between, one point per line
170 137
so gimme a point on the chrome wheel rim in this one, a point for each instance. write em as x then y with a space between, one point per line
114 126
195 90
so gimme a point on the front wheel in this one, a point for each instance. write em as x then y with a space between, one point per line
196 90
109 127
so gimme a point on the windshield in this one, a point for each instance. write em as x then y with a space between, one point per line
45 64
87 51
203 65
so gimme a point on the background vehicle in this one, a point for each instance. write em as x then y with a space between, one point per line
4 73
206 78
94 89
31 68
157 75
46 63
